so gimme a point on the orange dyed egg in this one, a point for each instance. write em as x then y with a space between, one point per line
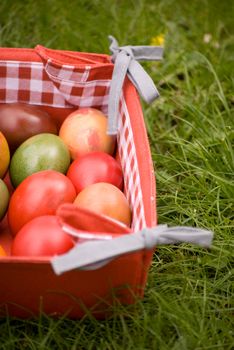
2 251
4 155
106 199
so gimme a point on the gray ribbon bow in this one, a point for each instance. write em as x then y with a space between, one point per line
94 254
125 59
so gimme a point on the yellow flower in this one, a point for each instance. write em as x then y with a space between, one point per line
158 40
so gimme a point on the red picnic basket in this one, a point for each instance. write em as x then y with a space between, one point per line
60 82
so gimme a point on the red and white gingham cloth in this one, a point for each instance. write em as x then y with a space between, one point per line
52 85
64 86
128 158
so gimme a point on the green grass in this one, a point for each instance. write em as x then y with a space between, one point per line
188 301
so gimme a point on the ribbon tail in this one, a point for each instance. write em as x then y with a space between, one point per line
92 253
142 81
147 53
113 44
179 234
118 76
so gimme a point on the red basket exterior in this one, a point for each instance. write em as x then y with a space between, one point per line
60 82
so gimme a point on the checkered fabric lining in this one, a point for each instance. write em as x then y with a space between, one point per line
53 86
128 158
63 86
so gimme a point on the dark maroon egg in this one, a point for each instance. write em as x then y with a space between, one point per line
19 121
